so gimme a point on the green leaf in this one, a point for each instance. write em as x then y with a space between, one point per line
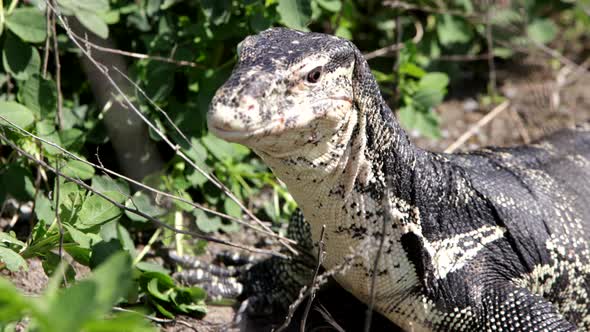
93 22
159 80
411 69
83 239
143 203
72 307
94 6
96 210
164 279
46 130
125 238
70 196
154 290
20 59
207 223
161 309
217 11
28 23
79 254
78 169
103 250
151 267
16 113
44 209
50 263
12 302
15 181
542 31
197 293
330 5
407 116
102 183
295 14
120 322
12 260
114 278
6 238
39 95
223 150
232 208
71 137
431 90
453 29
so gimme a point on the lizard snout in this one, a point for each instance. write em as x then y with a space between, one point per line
233 121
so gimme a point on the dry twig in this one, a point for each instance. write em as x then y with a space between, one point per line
320 281
59 116
58 220
387 50
142 185
320 260
482 122
133 210
137 55
105 71
328 317
424 8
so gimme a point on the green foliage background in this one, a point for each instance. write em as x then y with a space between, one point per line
203 33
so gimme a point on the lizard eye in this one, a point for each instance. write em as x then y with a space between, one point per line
314 75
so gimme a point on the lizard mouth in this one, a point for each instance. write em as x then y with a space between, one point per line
231 135
241 135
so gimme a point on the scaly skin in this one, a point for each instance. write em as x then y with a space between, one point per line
496 239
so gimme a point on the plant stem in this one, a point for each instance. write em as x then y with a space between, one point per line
148 246
178 237
11 7
1 16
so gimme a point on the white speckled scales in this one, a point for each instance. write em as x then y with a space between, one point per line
493 240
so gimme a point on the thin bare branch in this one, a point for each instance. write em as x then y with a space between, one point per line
57 218
320 260
133 210
59 116
320 281
144 186
137 55
482 122
387 50
463 57
173 146
426 9
48 14
176 148
328 317
522 131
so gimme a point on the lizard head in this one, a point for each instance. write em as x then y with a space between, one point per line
289 90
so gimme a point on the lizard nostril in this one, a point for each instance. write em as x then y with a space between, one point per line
249 103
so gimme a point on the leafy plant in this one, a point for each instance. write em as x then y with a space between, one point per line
82 306
179 53
170 299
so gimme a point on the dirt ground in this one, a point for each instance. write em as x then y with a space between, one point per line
538 106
